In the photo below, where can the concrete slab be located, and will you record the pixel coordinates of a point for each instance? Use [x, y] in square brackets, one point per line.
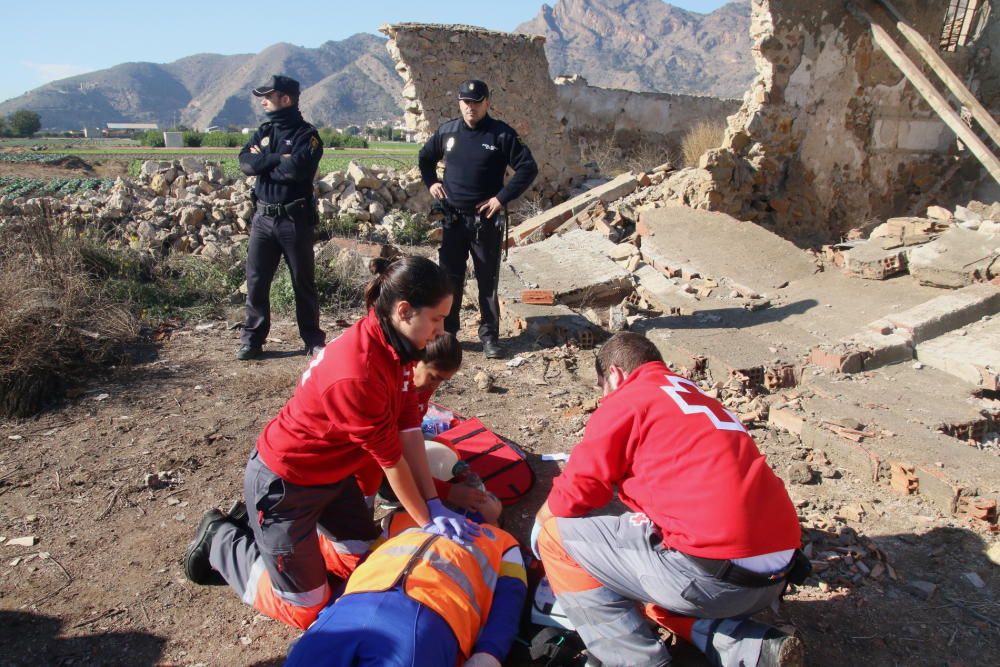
[904, 412]
[947, 312]
[957, 258]
[820, 309]
[843, 306]
[557, 322]
[719, 246]
[971, 354]
[576, 266]
[664, 293]
[545, 223]
[871, 261]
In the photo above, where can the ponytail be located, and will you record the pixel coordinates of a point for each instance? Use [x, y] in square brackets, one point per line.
[416, 280]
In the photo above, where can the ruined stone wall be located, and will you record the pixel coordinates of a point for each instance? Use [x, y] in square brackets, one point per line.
[630, 117]
[830, 133]
[987, 49]
[434, 59]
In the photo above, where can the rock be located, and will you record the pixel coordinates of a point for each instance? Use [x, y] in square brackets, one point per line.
[854, 512]
[327, 207]
[190, 165]
[483, 380]
[146, 231]
[799, 472]
[361, 176]
[938, 213]
[28, 541]
[967, 214]
[923, 589]
[974, 579]
[158, 184]
[993, 553]
[191, 217]
[376, 210]
[211, 250]
[623, 251]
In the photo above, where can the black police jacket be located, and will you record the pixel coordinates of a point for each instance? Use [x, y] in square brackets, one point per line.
[290, 150]
[475, 160]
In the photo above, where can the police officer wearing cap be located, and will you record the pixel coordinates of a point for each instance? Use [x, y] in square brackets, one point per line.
[283, 154]
[476, 149]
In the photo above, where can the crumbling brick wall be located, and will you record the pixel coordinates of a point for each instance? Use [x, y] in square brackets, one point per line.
[633, 118]
[830, 133]
[434, 59]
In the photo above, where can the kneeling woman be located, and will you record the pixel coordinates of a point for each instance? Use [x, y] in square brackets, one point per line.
[356, 403]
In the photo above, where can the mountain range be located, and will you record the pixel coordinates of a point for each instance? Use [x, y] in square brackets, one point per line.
[642, 45]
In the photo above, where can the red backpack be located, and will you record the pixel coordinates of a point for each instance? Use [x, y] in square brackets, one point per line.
[500, 463]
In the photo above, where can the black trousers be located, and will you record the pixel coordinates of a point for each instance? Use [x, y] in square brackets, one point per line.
[465, 234]
[272, 238]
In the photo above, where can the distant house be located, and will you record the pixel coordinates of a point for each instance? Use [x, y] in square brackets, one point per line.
[128, 129]
[409, 135]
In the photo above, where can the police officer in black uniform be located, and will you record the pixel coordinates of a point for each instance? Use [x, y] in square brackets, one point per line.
[477, 149]
[283, 154]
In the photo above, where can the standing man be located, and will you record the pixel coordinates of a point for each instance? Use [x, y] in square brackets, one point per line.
[711, 538]
[476, 149]
[283, 154]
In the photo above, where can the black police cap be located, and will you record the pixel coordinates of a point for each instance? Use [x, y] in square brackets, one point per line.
[279, 83]
[473, 90]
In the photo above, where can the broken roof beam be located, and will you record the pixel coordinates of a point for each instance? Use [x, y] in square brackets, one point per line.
[930, 94]
[940, 67]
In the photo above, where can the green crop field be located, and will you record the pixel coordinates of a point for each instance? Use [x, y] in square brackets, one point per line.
[20, 186]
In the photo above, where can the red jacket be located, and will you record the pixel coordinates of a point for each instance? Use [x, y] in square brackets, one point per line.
[347, 410]
[686, 462]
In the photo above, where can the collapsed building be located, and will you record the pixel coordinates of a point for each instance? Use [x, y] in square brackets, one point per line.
[880, 351]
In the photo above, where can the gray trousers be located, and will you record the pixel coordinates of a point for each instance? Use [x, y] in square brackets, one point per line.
[280, 567]
[623, 553]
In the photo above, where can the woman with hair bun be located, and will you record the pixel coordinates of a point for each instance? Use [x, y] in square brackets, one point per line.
[355, 404]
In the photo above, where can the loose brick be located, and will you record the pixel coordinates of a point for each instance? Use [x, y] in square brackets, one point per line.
[904, 480]
[540, 297]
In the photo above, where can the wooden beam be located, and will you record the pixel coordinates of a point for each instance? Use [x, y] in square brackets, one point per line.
[940, 67]
[930, 94]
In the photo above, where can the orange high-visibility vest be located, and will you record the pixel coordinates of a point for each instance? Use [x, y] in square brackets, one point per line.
[455, 581]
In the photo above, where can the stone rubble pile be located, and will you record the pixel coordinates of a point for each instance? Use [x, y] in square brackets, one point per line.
[945, 248]
[191, 206]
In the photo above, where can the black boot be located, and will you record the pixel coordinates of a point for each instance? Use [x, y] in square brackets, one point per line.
[197, 567]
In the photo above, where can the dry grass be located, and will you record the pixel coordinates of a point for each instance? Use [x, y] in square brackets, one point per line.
[611, 159]
[703, 136]
[56, 322]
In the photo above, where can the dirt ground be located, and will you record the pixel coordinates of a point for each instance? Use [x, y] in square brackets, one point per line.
[103, 585]
[70, 167]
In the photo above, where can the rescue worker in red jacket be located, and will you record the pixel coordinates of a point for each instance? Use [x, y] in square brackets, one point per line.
[710, 538]
[420, 599]
[355, 403]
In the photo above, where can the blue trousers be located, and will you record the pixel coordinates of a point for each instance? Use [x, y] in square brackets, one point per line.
[376, 629]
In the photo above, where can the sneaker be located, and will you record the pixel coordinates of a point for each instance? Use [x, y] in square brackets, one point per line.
[492, 349]
[313, 350]
[248, 352]
[197, 568]
[781, 650]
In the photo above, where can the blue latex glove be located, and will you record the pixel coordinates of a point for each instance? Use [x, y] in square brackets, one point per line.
[450, 524]
[533, 540]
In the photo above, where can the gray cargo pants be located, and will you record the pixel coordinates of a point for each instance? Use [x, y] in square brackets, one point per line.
[300, 534]
[624, 554]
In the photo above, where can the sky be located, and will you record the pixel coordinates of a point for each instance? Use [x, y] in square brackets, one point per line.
[48, 40]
